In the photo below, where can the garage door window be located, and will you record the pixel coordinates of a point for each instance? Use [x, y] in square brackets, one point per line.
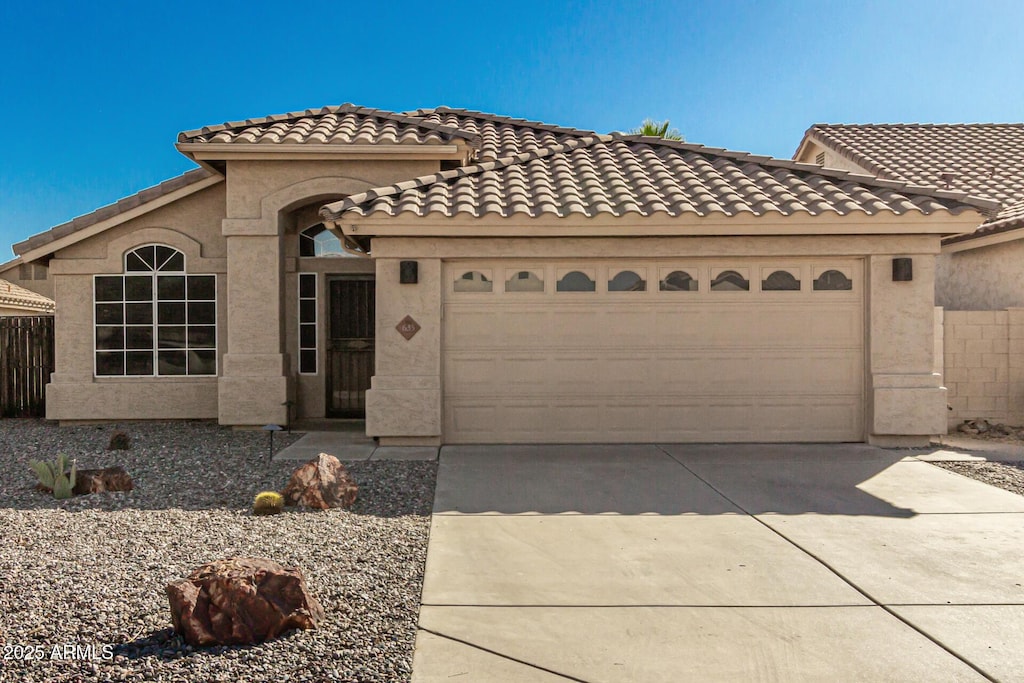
[678, 281]
[832, 280]
[525, 281]
[576, 281]
[474, 281]
[731, 281]
[627, 281]
[780, 281]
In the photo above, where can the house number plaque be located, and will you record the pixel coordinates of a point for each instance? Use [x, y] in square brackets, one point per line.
[408, 328]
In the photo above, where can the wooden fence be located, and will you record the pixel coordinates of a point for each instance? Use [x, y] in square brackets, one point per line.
[26, 361]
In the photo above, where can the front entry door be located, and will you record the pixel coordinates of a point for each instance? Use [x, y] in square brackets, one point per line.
[350, 345]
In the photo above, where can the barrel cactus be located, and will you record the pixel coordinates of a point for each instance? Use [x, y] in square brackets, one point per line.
[268, 503]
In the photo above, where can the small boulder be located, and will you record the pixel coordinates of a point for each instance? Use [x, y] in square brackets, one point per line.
[98, 481]
[240, 601]
[321, 483]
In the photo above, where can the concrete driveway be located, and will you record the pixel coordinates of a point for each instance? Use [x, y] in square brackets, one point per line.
[718, 563]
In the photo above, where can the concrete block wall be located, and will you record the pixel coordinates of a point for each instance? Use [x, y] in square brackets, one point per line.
[983, 365]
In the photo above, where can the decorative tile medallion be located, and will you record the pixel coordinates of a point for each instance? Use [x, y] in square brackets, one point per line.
[408, 328]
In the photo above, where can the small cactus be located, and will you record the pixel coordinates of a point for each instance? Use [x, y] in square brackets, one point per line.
[268, 503]
[55, 477]
[119, 441]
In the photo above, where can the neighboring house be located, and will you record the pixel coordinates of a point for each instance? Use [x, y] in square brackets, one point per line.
[16, 300]
[979, 279]
[34, 277]
[461, 277]
[982, 269]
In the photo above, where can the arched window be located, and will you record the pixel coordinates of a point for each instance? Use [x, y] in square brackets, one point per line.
[730, 281]
[576, 281]
[833, 280]
[679, 281]
[780, 281]
[474, 281]
[524, 281]
[319, 241]
[627, 281]
[155, 320]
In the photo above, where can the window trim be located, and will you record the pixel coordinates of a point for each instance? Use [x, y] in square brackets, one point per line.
[316, 324]
[155, 301]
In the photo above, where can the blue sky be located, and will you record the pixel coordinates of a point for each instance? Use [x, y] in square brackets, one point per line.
[95, 93]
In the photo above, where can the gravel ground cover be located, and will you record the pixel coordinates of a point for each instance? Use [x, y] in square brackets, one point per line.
[1005, 475]
[91, 571]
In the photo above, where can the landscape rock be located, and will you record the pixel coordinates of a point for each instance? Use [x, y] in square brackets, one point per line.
[241, 600]
[321, 483]
[98, 481]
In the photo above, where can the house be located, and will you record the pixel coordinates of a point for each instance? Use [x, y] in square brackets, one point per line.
[457, 277]
[33, 277]
[979, 280]
[980, 269]
[18, 300]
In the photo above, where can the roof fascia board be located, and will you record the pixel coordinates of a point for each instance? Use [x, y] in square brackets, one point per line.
[25, 306]
[226, 151]
[97, 228]
[683, 226]
[984, 241]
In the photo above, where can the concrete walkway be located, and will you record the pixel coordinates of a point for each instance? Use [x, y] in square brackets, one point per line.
[349, 442]
[718, 563]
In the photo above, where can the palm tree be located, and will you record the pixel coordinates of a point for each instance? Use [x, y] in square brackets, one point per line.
[657, 129]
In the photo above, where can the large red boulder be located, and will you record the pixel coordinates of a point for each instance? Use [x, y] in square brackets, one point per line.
[241, 600]
[321, 483]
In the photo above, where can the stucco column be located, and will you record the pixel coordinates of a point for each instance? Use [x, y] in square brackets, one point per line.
[908, 401]
[253, 386]
[403, 405]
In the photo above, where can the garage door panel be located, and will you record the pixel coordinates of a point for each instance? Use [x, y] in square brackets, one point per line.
[472, 374]
[556, 421]
[655, 366]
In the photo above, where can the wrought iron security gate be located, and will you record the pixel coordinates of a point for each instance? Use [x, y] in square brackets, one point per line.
[350, 347]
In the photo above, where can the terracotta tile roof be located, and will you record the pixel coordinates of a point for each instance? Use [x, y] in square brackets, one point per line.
[982, 159]
[122, 206]
[13, 295]
[342, 124]
[621, 175]
[501, 136]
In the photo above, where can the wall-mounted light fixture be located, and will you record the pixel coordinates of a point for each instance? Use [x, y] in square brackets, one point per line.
[902, 270]
[408, 272]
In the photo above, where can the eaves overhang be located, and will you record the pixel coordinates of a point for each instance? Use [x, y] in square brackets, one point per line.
[689, 225]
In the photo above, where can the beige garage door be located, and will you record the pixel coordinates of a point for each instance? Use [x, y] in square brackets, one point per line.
[653, 351]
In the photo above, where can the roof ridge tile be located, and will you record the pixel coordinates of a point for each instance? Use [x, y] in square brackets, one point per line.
[345, 108]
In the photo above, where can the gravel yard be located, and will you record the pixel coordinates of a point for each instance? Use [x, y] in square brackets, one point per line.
[1005, 475]
[91, 570]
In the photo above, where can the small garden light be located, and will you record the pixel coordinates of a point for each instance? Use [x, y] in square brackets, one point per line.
[272, 429]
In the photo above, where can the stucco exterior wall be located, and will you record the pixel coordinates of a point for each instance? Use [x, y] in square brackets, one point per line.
[191, 225]
[253, 184]
[259, 377]
[984, 365]
[984, 279]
